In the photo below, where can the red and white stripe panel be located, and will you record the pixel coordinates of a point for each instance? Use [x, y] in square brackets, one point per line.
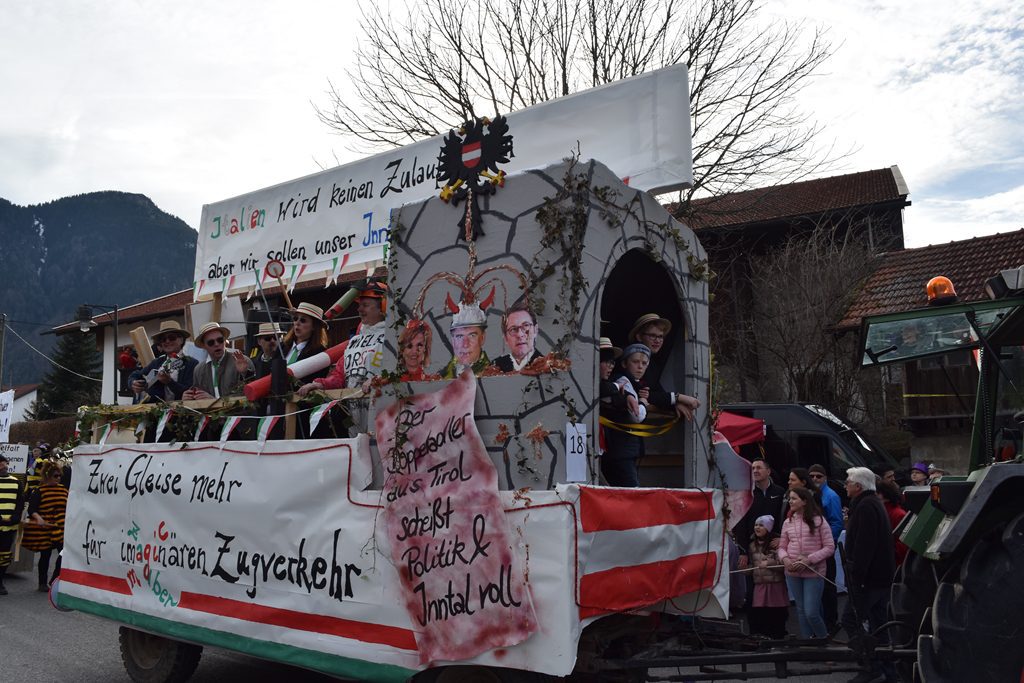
[639, 547]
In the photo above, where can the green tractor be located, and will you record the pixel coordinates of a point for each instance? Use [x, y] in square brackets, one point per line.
[960, 592]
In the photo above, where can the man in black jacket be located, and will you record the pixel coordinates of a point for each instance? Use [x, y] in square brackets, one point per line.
[871, 563]
[767, 501]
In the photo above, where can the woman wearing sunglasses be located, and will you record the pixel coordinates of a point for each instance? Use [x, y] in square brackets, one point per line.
[307, 337]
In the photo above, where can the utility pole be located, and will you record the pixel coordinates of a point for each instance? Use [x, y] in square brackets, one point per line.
[3, 329]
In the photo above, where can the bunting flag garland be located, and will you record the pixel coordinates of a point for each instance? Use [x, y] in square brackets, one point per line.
[203, 421]
[229, 426]
[162, 423]
[339, 265]
[140, 429]
[197, 287]
[104, 433]
[251, 293]
[264, 426]
[297, 272]
[318, 413]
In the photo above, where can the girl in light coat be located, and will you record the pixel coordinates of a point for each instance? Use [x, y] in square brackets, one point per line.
[805, 544]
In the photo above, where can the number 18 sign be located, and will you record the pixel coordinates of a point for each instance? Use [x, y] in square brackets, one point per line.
[575, 452]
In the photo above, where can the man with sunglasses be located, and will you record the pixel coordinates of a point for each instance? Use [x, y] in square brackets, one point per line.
[169, 375]
[219, 375]
[832, 506]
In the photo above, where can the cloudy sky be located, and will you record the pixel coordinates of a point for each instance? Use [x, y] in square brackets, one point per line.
[193, 102]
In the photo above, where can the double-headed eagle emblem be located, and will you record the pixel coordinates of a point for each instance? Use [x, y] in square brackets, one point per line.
[468, 165]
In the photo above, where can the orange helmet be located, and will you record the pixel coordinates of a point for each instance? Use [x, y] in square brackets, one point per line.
[940, 290]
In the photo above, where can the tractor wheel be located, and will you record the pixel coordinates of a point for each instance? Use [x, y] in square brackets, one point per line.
[910, 599]
[153, 659]
[912, 593]
[975, 621]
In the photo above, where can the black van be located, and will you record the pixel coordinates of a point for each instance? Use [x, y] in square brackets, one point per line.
[801, 434]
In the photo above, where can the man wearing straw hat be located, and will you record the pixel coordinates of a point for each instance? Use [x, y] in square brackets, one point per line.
[651, 330]
[169, 376]
[267, 339]
[219, 376]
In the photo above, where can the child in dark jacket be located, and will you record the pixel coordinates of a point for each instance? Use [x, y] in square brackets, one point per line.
[619, 463]
[770, 604]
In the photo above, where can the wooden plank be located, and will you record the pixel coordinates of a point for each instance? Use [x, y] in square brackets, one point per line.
[289, 422]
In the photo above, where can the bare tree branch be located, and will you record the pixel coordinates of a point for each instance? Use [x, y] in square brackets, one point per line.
[419, 76]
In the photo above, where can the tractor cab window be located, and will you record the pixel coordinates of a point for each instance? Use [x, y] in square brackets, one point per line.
[901, 337]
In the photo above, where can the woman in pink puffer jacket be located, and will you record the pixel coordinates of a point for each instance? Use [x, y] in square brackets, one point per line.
[805, 544]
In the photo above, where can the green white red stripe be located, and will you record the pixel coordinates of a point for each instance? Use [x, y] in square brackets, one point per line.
[265, 425]
[162, 423]
[318, 414]
[203, 421]
[229, 426]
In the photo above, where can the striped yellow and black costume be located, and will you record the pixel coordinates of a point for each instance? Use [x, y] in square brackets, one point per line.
[49, 501]
[11, 501]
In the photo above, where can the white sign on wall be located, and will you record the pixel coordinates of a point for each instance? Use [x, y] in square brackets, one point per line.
[17, 457]
[6, 414]
[337, 221]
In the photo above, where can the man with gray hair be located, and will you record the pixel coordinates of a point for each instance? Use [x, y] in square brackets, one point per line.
[469, 331]
[871, 563]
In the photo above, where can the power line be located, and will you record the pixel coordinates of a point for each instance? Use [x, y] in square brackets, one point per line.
[52, 361]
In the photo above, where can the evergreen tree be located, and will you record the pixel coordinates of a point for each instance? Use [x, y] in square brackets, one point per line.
[62, 392]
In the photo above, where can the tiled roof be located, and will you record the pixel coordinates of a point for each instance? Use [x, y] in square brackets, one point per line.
[898, 283]
[806, 198]
[20, 389]
[174, 304]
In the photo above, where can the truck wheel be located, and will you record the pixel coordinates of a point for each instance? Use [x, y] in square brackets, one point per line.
[153, 659]
[972, 619]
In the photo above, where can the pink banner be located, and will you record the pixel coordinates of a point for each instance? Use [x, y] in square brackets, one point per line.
[463, 583]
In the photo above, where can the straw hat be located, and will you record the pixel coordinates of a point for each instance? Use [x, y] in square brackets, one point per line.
[210, 327]
[269, 330]
[310, 310]
[605, 344]
[645, 320]
[169, 327]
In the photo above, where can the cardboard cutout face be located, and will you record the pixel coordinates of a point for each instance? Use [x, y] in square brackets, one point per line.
[414, 353]
[468, 344]
[520, 334]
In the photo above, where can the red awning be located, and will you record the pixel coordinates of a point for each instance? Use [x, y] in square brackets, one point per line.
[740, 430]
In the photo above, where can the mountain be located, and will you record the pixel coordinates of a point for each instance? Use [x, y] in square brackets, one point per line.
[97, 248]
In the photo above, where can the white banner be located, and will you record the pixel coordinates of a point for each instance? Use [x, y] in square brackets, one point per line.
[337, 220]
[6, 414]
[284, 555]
[17, 457]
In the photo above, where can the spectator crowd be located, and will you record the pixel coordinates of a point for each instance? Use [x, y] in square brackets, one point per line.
[787, 544]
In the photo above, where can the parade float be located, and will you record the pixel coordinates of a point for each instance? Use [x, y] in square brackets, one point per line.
[462, 531]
